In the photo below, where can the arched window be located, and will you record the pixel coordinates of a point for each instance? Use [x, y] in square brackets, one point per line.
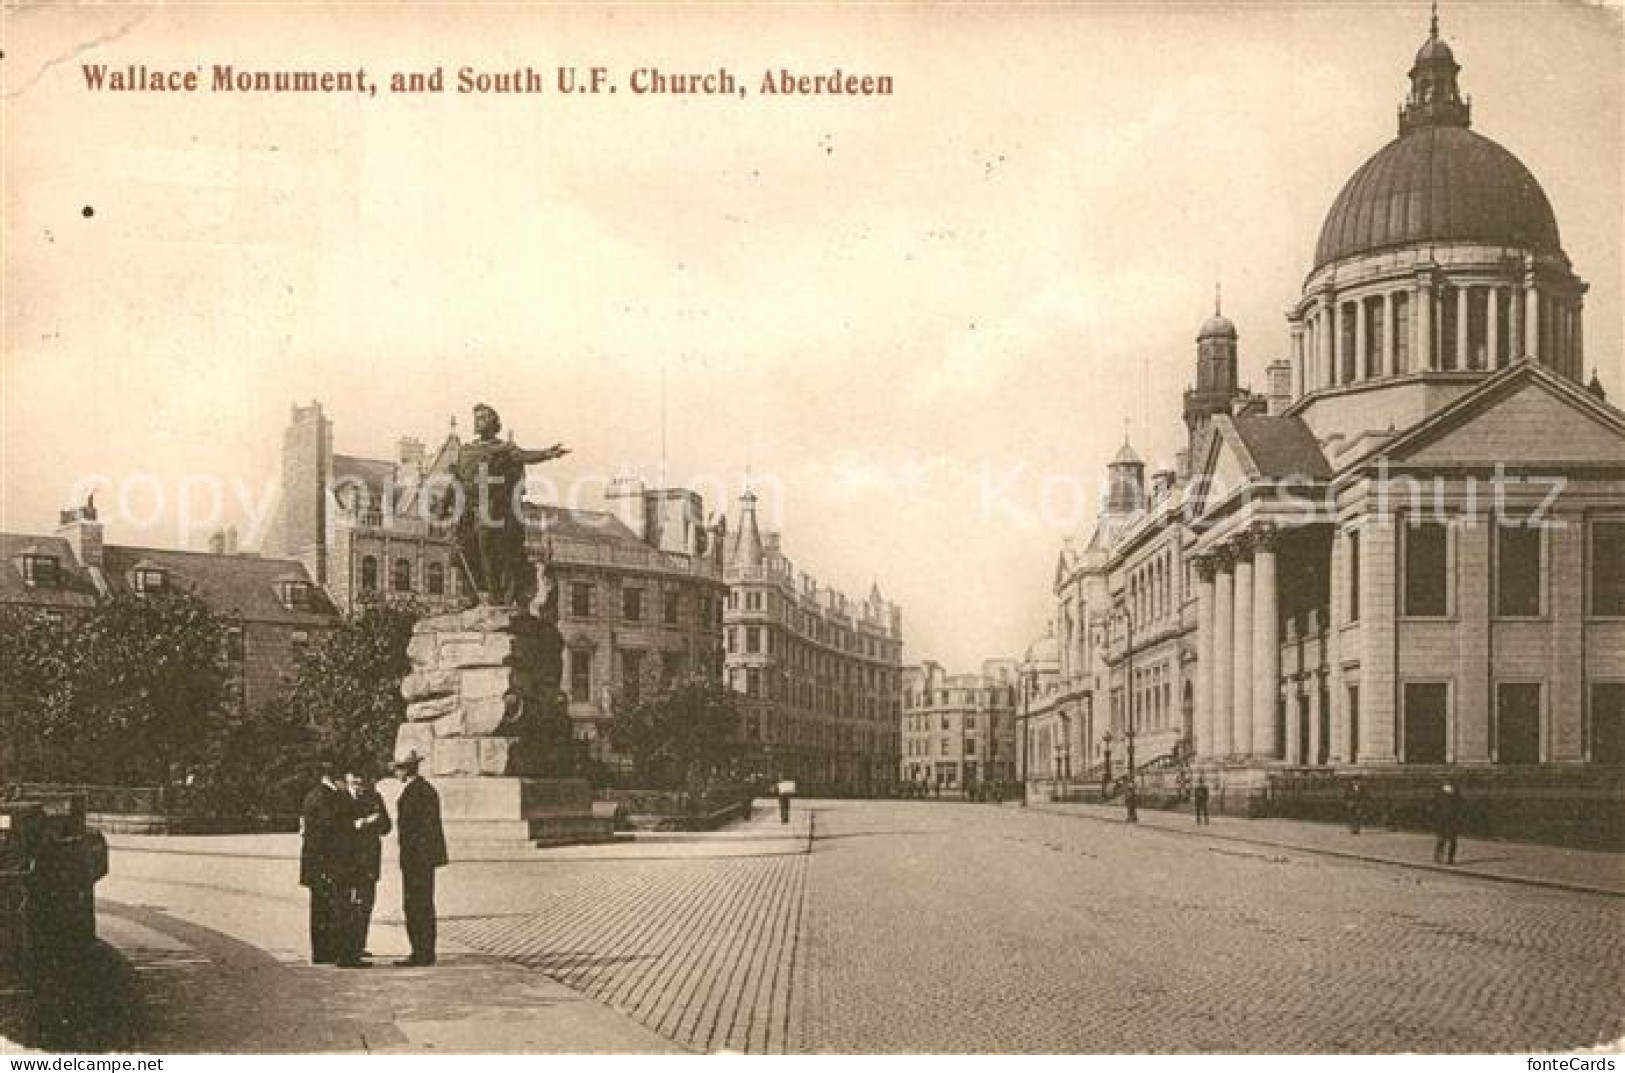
[400, 578]
[437, 579]
[369, 574]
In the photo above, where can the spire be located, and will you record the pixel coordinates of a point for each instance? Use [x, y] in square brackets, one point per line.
[1435, 99]
[1218, 306]
[747, 550]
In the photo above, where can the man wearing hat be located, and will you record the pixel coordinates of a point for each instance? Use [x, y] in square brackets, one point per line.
[321, 818]
[423, 849]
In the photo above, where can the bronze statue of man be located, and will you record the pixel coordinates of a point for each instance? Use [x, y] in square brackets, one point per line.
[489, 477]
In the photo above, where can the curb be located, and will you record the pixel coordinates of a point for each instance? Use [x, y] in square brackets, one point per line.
[1369, 858]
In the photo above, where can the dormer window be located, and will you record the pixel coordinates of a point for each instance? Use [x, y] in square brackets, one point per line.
[295, 594]
[40, 571]
[148, 579]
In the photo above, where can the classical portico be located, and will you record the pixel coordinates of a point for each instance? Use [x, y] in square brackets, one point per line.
[1238, 640]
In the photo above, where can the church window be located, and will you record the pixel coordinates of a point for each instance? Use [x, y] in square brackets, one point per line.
[400, 578]
[1608, 568]
[369, 574]
[1426, 570]
[437, 579]
[1517, 571]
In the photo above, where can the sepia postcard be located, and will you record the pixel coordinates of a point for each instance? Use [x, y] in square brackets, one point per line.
[812, 529]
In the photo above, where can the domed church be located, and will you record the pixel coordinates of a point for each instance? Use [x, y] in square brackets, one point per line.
[1405, 559]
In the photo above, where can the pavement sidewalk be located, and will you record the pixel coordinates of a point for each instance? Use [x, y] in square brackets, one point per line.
[206, 936]
[760, 835]
[212, 970]
[1557, 867]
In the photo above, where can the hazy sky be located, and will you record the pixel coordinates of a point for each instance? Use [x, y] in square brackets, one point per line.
[920, 320]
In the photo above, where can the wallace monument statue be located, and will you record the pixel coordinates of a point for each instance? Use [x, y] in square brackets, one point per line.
[484, 501]
[484, 710]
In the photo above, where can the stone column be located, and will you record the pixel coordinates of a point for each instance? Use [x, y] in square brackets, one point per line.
[1336, 327]
[1313, 687]
[1242, 675]
[1360, 340]
[1426, 357]
[1531, 321]
[1386, 362]
[1266, 646]
[1328, 343]
[1514, 324]
[1224, 634]
[1297, 387]
[1204, 657]
[1578, 345]
[1492, 327]
[1464, 359]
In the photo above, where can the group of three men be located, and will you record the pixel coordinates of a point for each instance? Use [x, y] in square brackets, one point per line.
[343, 822]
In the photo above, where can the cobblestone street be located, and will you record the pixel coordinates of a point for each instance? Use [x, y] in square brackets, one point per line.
[910, 927]
[963, 928]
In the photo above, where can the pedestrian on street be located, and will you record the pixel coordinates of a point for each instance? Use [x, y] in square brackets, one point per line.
[1199, 799]
[1446, 824]
[1354, 804]
[423, 849]
[1131, 801]
[786, 790]
[320, 815]
[365, 831]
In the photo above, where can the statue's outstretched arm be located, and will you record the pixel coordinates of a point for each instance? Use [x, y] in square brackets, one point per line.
[546, 454]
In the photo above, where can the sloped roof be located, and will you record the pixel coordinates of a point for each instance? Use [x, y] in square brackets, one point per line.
[75, 589]
[373, 474]
[234, 586]
[1282, 447]
[592, 525]
[1491, 392]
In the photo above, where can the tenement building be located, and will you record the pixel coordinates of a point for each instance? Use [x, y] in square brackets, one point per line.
[639, 585]
[818, 674]
[958, 730]
[270, 608]
[1404, 559]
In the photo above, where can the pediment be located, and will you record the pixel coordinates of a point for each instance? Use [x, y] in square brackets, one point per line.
[1525, 415]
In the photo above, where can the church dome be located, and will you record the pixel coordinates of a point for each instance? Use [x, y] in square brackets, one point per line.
[1438, 184]
[1045, 649]
[1217, 325]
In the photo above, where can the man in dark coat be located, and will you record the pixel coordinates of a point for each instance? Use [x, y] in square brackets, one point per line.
[1446, 824]
[320, 816]
[1199, 798]
[366, 824]
[423, 849]
[1354, 804]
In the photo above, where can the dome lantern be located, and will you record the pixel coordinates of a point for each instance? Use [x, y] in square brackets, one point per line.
[1435, 99]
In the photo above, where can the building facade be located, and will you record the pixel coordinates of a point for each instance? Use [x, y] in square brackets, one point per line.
[271, 608]
[640, 585]
[818, 674]
[1405, 558]
[959, 730]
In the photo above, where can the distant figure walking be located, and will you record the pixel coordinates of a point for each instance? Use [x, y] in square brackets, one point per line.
[320, 816]
[1354, 804]
[1199, 799]
[786, 790]
[423, 849]
[1446, 824]
[1131, 801]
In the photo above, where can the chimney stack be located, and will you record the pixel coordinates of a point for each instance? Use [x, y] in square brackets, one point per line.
[1279, 376]
[83, 532]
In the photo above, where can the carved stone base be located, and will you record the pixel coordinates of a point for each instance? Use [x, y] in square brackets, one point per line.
[482, 698]
[485, 812]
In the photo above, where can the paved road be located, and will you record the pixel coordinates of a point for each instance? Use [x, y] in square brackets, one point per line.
[911, 927]
[965, 928]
